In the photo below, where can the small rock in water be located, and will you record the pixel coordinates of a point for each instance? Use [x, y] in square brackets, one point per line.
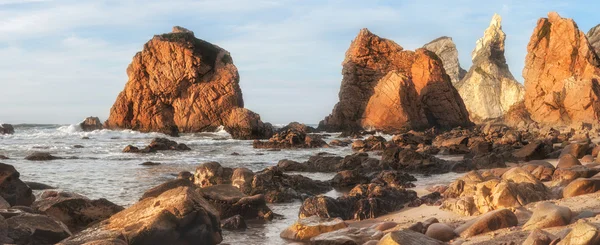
[185, 175]
[3, 157]
[38, 186]
[78, 146]
[235, 154]
[150, 163]
[85, 138]
[236, 222]
[41, 156]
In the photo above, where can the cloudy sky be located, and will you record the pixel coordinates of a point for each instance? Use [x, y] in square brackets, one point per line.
[63, 60]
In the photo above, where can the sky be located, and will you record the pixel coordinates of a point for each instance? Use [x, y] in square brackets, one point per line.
[64, 60]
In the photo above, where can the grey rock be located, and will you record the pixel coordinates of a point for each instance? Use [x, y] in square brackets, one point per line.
[593, 37]
[445, 48]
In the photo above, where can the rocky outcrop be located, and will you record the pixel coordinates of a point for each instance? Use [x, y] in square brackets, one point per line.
[388, 88]
[593, 37]
[445, 48]
[562, 74]
[179, 83]
[158, 144]
[489, 89]
[177, 216]
[91, 124]
[6, 129]
[12, 189]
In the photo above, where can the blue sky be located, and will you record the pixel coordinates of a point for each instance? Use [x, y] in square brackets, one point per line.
[63, 60]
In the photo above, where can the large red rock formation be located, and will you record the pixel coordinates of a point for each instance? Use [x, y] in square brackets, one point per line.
[179, 83]
[561, 74]
[385, 87]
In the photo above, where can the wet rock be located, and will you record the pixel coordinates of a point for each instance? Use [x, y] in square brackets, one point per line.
[341, 143]
[185, 175]
[3, 203]
[539, 237]
[91, 124]
[291, 138]
[349, 235]
[289, 165]
[582, 233]
[41, 156]
[407, 236]
[36, 229]
[411, 161]
[212, 173]
[581, 186]
[3, 157]
[373, 143]
[38, 186]
[230, 201]
[394, 178]
[74, 210]
[280, 187]
[159, 189]
[242, 179]
[12, 189]
[349, 178]
[306, 228]
[177, 216]
[78, 146]
[537, 150]
[546, 215]
[150, 163]
[131, 149]
[440, 232]
[6, 128]
[567, 161]
[491, 221]
[236, 222]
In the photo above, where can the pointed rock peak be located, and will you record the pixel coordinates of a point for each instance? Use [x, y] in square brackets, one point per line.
[446, 50]
[179, 29]
[553, 16]
[492, 42]
[365, 32]
[367, 45]
[593, 37]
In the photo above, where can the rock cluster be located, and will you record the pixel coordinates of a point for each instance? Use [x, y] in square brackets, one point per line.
[179, 83]
[489, 89]
[385, 87]
[562, 74]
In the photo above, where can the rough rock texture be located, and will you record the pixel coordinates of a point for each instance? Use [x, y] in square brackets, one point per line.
[489, 89]
[6, 129]
[91, 124]
[307, 228]
[179, 83]
[230, 201]
[561, 74]
[376, 87]
[12, 189]
[35, 229]
[177, 216]
[593, 37]
[75, 211]
[445, 48]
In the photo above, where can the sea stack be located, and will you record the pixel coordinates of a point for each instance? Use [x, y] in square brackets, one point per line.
[445, 48]
[489, 89]
[593, 37]
[385, 87]
[179, 83]
[562, 74]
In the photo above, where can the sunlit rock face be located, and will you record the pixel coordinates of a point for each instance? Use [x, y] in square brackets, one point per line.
[489, 89]
[445, 48]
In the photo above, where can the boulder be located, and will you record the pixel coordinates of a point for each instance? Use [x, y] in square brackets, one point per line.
[349, 235]
[291, 138]
[279, 187]
[200, 91]
[306, 228]
[6, 128]
[41, 156]
[388, 88]
[539, 237]
[74, 210]
[537, 150]
[91, 124]
[547, 214]
[489, 88]
[212, 173]
[581, 186]
[12, 189]
[564, 176]
[230, 201]
[491, 221]
[236, 222]
[582, 233]
[373, 143]
[567, 161]
[542, 170]
[36, 229]
[446, 50]
[561, 74]
[440, 232]
[177, 216]
[578, 150]
[408, 237]
[349, 178]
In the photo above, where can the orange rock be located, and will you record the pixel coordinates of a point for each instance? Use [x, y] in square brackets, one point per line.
[179, 83]
[561, 74]
[385, 87]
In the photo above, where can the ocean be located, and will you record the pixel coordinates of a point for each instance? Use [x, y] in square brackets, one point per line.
[101, 170]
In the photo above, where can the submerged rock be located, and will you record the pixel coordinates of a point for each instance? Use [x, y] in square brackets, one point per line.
[489, 89]
[562, 74]
[179, 84]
